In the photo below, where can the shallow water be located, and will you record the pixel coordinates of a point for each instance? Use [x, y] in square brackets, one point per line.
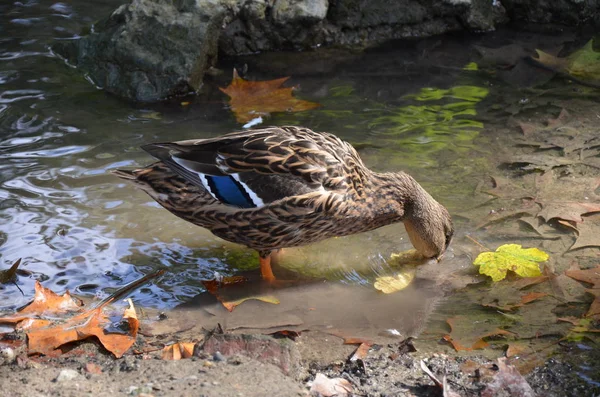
[408, 106]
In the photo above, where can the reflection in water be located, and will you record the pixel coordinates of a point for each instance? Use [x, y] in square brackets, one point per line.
[78, 227]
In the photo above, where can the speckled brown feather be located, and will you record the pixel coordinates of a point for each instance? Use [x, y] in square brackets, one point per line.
[346, 197]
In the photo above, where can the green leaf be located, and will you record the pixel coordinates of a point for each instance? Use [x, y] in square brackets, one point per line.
[524, 262]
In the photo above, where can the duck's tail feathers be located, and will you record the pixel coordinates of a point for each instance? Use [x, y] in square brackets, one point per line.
[125, 174]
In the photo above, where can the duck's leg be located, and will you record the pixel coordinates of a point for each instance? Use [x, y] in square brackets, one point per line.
[265, 266]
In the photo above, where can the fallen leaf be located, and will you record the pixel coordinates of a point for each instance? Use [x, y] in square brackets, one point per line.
[84, 325]
[46, 303]
[462, 328]
[251, 99]
[590, 276]
[390, 284]
[326, 387]
[525, 299]
[583, 63]
[361, 351]
[588, 233]
[10, 275]
[508, 381]
[179, 350]
[569, 211]
[514, 349]
[511, 257]
[285, 333]
[263, 298]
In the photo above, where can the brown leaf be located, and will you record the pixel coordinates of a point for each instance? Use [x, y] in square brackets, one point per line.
[590, 276]
[91, 323]
[92, 368]
[45, 303]
[179, 350]
[569, 211]
[361, 351]
[251, 99]
[10, 275]
[508, 381]
[589, 232]
[475, 340]
[326, 387]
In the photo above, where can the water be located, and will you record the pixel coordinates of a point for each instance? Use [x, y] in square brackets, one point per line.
[408, 106]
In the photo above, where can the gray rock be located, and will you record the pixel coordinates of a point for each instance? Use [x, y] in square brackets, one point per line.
[67, 375]
[148, 50]
[285, 11]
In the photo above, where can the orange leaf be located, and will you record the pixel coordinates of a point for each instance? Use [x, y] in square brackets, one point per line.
[476, 339]
[251, 99]
[179, 350]
[530, 297]
[82, 326]
[361, 351]
[263, 298]
[45, 303]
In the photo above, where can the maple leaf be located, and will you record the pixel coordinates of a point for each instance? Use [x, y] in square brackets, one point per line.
[252, 99]
[90, 323]
[475, 337]
[583, 63]
[511, 257]
[590, 276]
[45, 303]
[390, 284]
[587, 233]
[569, 211]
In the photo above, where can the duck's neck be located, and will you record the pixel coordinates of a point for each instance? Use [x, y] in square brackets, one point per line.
[400, 193]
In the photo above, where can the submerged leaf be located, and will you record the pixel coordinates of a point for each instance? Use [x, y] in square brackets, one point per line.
[251, 99]
[264, 298]
[390, 284]
[583, 63]
[524, 262]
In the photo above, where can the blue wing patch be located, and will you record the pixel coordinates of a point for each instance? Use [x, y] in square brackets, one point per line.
[229, 191]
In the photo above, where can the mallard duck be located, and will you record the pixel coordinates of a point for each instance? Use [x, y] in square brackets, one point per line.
[283, 187]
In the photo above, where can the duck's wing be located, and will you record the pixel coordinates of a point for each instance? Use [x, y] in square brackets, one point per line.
[253, 168]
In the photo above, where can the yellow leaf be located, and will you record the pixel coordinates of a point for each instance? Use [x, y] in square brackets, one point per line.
[390, 284]
[524, 262]
[265, 298]
[583, 63]
[251, 99]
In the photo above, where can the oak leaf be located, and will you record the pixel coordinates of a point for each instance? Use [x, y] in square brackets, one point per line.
[524, 262]
[252, 99]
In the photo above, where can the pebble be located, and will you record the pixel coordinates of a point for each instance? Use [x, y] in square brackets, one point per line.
[66, 375]
[8, 354]
[218, 356]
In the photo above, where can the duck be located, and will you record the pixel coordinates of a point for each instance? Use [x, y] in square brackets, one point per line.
[279, 187]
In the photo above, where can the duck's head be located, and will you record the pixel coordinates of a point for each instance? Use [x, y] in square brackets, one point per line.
[428, 223]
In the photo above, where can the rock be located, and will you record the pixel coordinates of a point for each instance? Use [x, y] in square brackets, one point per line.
[282, 353]
[7, 355]
[67, 375]
[148, 50]
[286, 11]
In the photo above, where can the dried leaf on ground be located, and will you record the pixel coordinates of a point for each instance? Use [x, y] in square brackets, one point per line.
[91, 323]
[361, 351]
[263, 298]
[326, 387]
[524, 262]
[588, 233]
[45, 303]
[508, 381]
[525, 299]
[583, 63]
[463, 336]
[569, 211]
[213, 286]
[251, 99]
[590, 276]
[178, 350]
[391, 284]
[10, 275]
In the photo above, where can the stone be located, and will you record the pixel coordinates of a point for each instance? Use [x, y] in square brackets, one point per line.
[285, 11]
[149, 50]
[282, 353]
[67, 375]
